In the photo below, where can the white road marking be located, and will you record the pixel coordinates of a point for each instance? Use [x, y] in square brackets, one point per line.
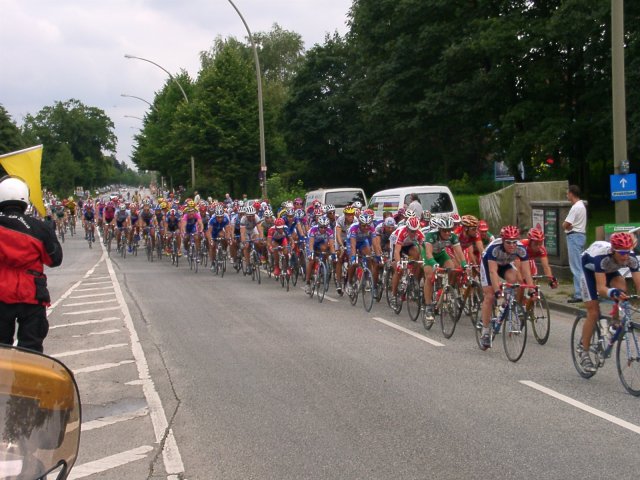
[88, 322]
[107, 463]
[97, 302]
[582, 406]
[71, 353]
[94, 288]
[106, 421]
[91, 311]
[164, 434]
[408, 332]
[94, 283]
[102, 332]
[91, 295]
[101, 278]
[102, 366]
[72, 288]
[325, 297]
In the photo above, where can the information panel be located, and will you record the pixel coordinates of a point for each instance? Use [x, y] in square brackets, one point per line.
[551, 231]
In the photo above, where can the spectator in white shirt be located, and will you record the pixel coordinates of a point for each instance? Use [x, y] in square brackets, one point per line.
[575, 226]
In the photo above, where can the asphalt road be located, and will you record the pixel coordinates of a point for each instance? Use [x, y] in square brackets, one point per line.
[258, 383]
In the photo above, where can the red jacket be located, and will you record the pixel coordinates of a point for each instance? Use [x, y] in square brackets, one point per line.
[26, 245]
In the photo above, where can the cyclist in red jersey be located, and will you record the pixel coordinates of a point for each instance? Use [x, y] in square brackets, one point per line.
[469, 238]
[534, 244]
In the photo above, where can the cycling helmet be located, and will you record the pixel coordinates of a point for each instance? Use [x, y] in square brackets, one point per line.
[242, 210]
[455, 217]
[173, 212]
[621, 241]
[389, 222]
[190, 204]
[364, 219]
[323, 222]
[289, 204]
[219, 211]
[469, 221]
[426, 215]
[240, 203]
[250, 210]
[268, 213]
[356, 204]
[279, 223]
[317, 203]
[368, 211]
[318, 211]
[264, 206]
[289, 212]
[536, 234]
[299, 213]
[413, 224]
[409, 214]
[146, 201]
[510, 232]
[163, 205]
[483, 226]
[330, 208]
[123, 207]
[111, 205]
[441, 223]
[349, 211]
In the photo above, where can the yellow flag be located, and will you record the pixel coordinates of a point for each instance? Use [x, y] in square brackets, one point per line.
[26, 165]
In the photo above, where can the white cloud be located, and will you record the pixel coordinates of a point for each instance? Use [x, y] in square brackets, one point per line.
[56, 50]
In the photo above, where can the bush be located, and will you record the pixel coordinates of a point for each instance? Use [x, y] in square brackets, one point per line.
[278, 190]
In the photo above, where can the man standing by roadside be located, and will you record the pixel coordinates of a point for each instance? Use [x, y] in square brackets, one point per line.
[575, 226]
[27, 245]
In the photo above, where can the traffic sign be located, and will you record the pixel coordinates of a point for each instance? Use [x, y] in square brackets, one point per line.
[623, 187]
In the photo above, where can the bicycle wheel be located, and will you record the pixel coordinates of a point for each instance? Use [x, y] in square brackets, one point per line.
[414, 299]
[475, 304]
[61, 234]
[576, 345]
[322, 280]
[195, 258]
[628, 363]
[354, 290]
[109, 242]
[387, 277]
[450, 312]
[367, 289]
[514, 332]
[148, 250]
[540, 319]
[282, 264]
[255, 260]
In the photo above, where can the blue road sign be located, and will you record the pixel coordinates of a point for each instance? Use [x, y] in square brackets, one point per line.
[623, 187]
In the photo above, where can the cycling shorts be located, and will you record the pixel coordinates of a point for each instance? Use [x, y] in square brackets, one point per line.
[485, 278]
[588, 283]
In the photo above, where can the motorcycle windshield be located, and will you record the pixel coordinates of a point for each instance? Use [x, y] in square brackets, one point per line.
[39, 415]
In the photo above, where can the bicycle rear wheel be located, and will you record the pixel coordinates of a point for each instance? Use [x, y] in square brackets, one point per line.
[414, 299]
[449, 312]
[628, 363]
[540, 319]
[514, 332]
[576, 345]
[367, 289]
[255, 260]
[321, 281]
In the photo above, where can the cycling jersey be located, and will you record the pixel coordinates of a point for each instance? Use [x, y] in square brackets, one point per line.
[439, 245]
[191, 221]
[541, 253]
[598, 258]
[59, 212]
[467, 240]
[146, 216]
[121, 217]
[320, 237]
[109, 213]
[173, 223]
[218, 226]
[383, 235]
[401, 235]
[278, 235]
[89, 214]
[363, 237]
[496, 252]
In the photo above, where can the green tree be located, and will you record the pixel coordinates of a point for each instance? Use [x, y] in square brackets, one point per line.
[10, 136]
[54, 178]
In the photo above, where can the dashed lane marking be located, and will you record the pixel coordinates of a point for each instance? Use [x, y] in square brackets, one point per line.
[107, 463]
[102, 366]
[71, 353]
[582, 406]
[102, 332]
[106, 421]
[81, 304]
[87, 322]
[85, 284]
[408, 332]
[91, 311]
[92, 295]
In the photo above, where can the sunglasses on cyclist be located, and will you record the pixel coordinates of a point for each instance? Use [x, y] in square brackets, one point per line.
[510, 242]
[623, 253]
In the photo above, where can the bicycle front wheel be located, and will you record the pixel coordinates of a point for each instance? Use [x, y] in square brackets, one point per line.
[540, 319]
[321, 281]
[414, 299]
[576, 346]
[628, 363]
[450, 312]
[367, 289]
[514, 332]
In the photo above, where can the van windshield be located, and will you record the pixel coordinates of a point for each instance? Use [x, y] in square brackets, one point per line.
[342, 199]
[438, 202]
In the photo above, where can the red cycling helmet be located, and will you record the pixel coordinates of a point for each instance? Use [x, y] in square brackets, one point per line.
[536, 234]
[279, 223]
[483, 226]
[413, 223]
[510, 232]
[621, 241]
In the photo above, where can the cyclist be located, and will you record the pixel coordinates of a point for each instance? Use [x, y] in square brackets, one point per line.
[361, 241]
[60, 215]
[108, 216]
[191, 223]
[172, 227]
[321, 239]
[505, 258]
[249, 231]
[600, 276]
[384, 230]
[88, 218]
[536, 250]
[405, 240]
[218, 231]
[434, 252]
[71, 205]
[123, 222]
[147, 221]
[277, 237]
[486, 236]
[343, 224]
[470, 240]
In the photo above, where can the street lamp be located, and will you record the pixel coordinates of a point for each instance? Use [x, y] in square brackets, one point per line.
[186, 99]
[263, 160]
[139, 98]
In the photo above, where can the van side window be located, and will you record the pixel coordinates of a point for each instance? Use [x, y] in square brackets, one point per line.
[434, 202]
[342, 199]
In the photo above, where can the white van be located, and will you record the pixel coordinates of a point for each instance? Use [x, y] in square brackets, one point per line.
[435, 198]
[338, 197]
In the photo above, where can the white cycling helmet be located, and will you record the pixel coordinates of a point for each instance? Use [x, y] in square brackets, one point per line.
[14, 191]
[250, 210]
[441, 223]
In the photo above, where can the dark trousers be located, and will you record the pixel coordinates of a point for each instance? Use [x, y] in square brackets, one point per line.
[32, 324]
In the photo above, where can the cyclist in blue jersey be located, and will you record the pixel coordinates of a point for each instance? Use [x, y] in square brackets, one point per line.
[321, 239]
[219, 230]
[360, 240]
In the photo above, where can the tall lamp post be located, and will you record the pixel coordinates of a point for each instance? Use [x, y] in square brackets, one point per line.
[263, 160]
[139, 98]
[186, 99]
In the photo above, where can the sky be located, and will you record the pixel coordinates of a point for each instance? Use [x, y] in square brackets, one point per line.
[54, 50]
